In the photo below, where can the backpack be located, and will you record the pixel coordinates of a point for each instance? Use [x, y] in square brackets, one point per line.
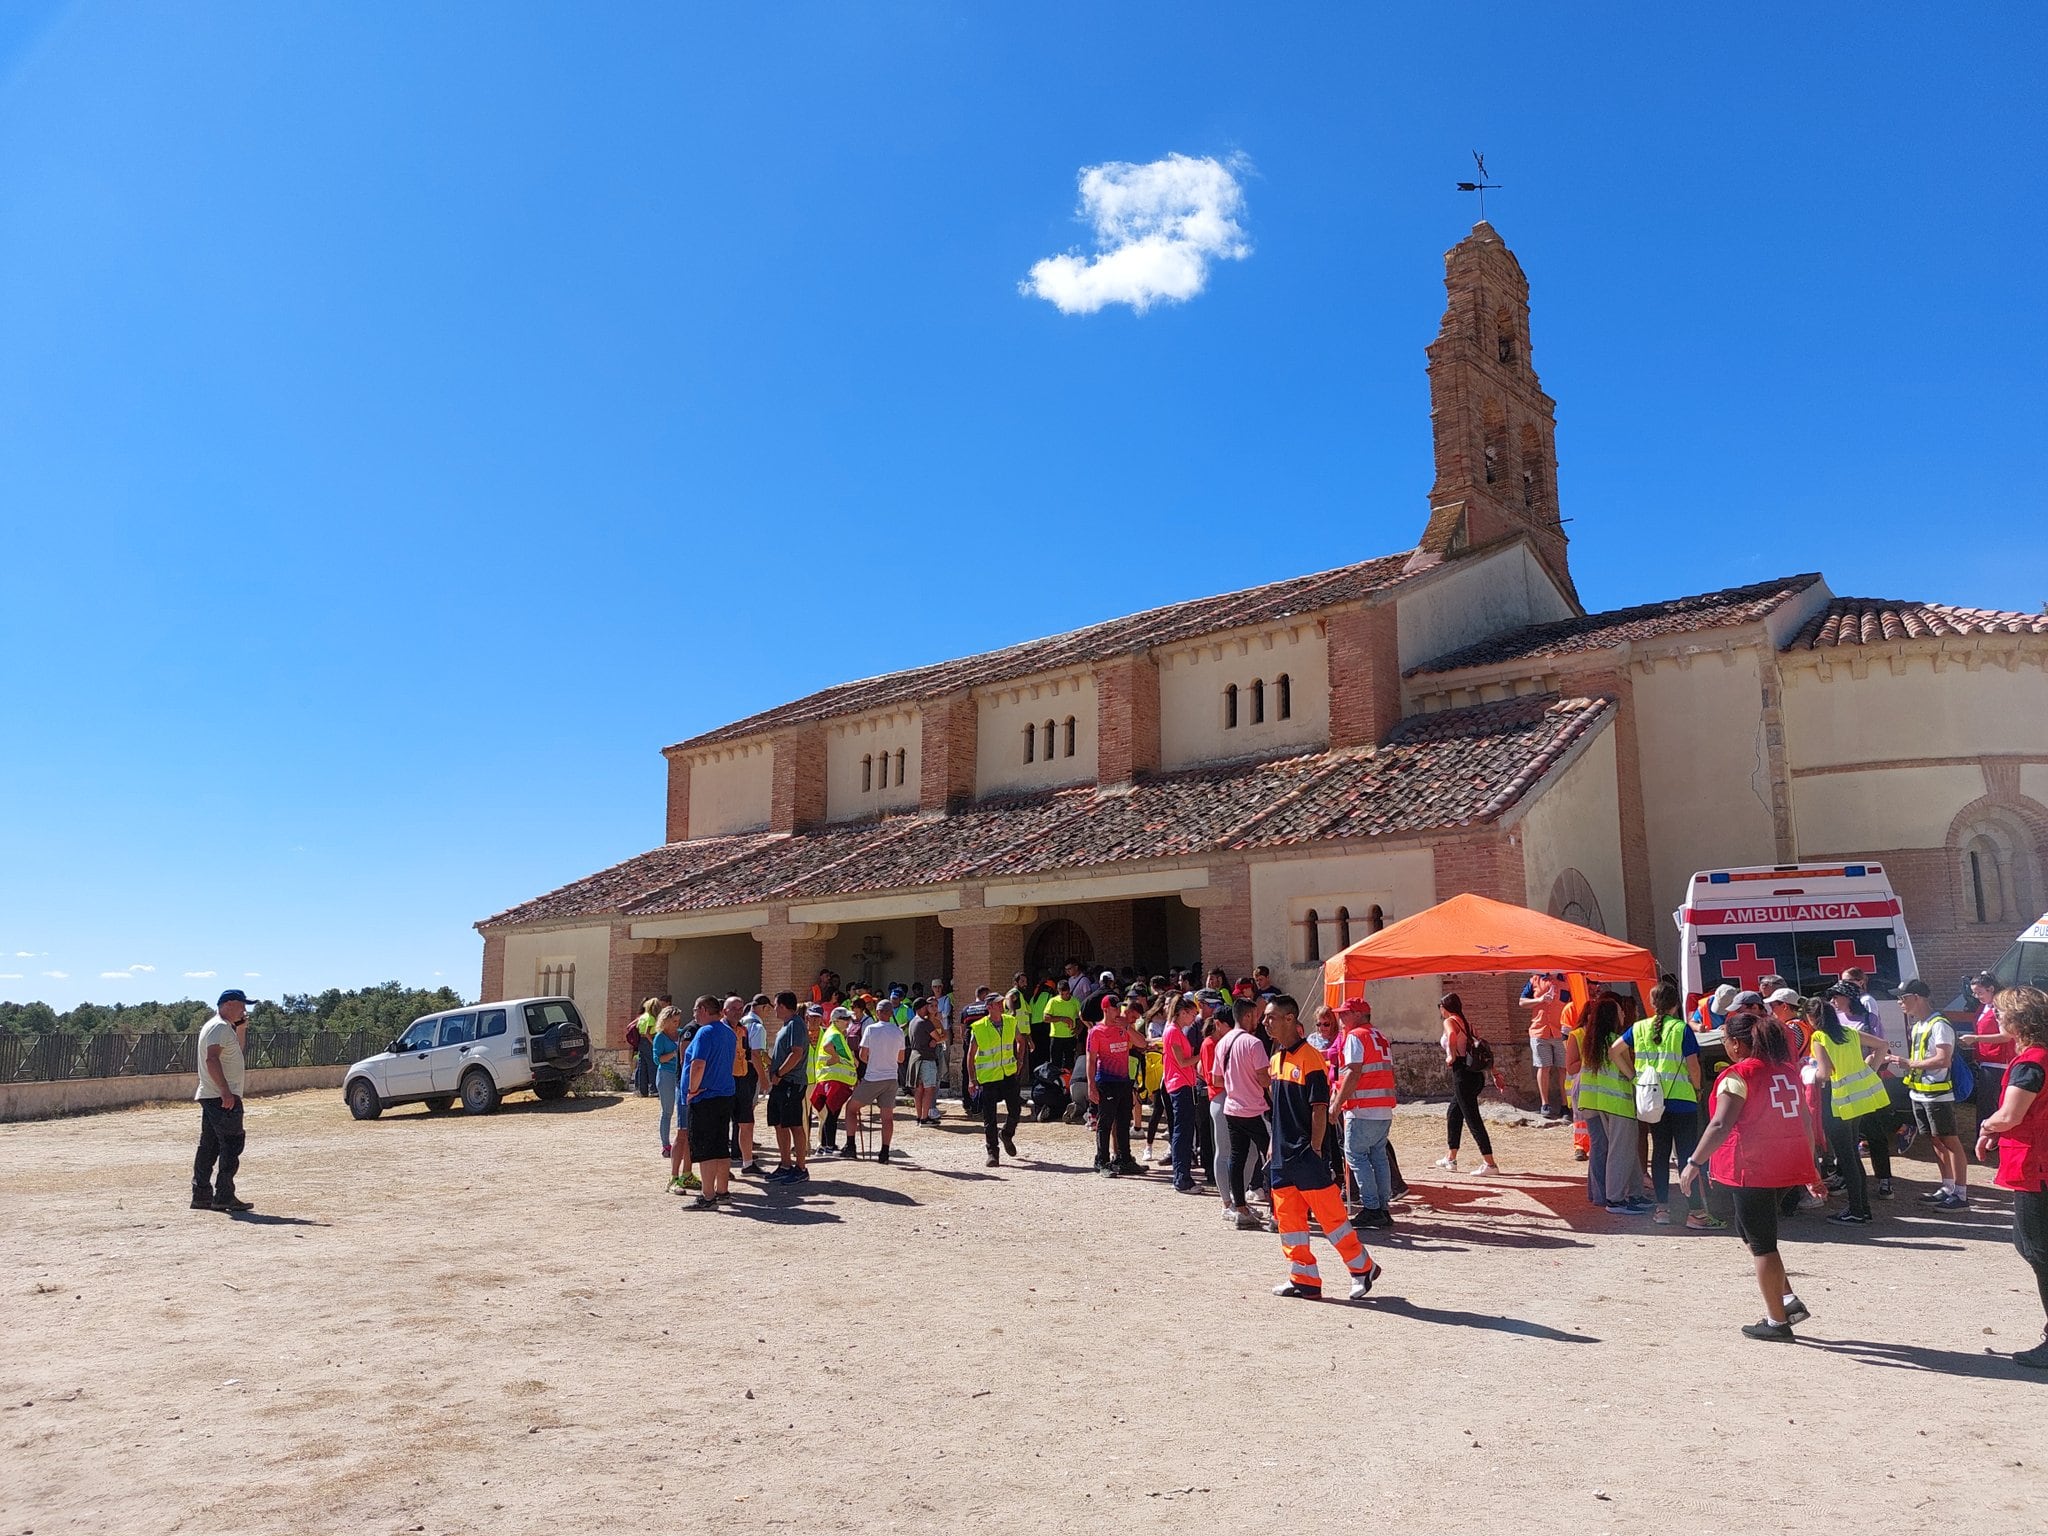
[1962, 1081]
[1649, 1085]
[1478, 1054]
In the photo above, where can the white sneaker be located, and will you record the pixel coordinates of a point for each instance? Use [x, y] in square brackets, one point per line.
[1446, 1162]
[1486, 1171]
[1361, 1285]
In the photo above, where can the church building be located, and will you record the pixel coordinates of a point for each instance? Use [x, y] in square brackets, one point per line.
[1268, 775]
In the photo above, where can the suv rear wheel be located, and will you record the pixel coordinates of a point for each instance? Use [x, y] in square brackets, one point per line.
[547, 1093]
[363, 1102]
[479, 1093]
[438, 1105]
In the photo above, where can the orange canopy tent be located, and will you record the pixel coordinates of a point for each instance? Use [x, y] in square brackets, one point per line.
[1474, 934]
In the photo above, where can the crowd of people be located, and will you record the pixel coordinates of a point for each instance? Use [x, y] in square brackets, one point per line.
[1285, 1119]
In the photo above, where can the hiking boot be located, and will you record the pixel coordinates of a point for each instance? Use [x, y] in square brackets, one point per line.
[1764, 1328]
[1010, 1143]
[1795, 1311]
[1361, 1285]
[202, 1202]
[1295, 1292]
[993, 1161]
[1130, 1165]
[233, 1206]
[882, 1156]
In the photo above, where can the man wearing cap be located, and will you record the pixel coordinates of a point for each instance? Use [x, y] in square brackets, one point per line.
[220, 1051]
[1365, 1097]
[1930, 1083]
[1108, 1056]
[1298, 1084]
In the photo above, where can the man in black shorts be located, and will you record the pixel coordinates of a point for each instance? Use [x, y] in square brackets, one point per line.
[750, 1042]
[788, 1061]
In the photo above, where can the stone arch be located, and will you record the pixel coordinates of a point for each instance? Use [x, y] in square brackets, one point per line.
[1572, 898]
[1997, 846]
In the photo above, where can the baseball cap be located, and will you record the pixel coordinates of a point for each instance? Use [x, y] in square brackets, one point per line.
[1355, 1005]
[237, 995]
[1724, 997]
[1107, 978]
[815, 1010]
[842, 1013]
[1786, 996]
[1746, 1000]
[1915, 988]
[1210, 996]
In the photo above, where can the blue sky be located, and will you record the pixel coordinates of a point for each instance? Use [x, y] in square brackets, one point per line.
[416, 416]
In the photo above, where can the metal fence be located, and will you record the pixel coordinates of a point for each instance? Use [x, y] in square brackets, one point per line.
[59, 1058]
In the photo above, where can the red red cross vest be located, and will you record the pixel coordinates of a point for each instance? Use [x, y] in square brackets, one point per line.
[1767, 1148]
[1375, 1088]
[2023, 1150]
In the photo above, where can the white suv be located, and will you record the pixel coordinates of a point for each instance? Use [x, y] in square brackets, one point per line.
[477, 1054]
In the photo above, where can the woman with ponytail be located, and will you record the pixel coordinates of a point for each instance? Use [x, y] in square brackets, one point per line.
[1759, 1144]
[1846, 1060]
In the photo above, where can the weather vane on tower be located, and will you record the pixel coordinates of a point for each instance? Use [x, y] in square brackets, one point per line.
[1482, 186]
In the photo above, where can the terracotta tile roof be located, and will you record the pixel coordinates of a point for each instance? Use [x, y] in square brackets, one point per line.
[1872, 620]
[1437, 771]
[1646, 621]
[610, 890]
[1081, 647]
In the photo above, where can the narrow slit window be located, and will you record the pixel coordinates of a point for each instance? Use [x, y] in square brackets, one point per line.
[1283, 697]
[1230, 707]
[1030, 731]
[867, 773]
[1070, 736]
[1343, 927]
[1314, 925]
[1259, 703]
[902, 758]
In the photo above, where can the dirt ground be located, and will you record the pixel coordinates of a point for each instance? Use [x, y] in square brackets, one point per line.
[503, 1325]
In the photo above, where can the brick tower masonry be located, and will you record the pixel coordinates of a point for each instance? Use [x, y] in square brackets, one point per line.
[1495, 429]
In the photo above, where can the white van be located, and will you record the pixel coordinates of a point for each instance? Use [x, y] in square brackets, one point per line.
[2024, 965]
[1805, 922]
[477, 1054]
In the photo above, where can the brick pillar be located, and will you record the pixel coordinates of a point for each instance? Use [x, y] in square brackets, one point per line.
[988, 943]
[792, 954]
[1637, 896]
[635, 972]
[1225, 905]
[678, 796]
[1485, 863]
[928, 949]
[493, 984]
[797, 795]
[1126, 719]
[948, 741]
[1365, 675]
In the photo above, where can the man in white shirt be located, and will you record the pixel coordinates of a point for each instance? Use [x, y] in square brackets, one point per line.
[880, 1051]
[220, 1053]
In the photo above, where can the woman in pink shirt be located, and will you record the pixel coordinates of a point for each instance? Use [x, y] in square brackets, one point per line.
[1242, 1061]
[1178, 1072]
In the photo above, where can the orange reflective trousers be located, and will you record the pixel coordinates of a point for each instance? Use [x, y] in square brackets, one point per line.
[1291, 1210]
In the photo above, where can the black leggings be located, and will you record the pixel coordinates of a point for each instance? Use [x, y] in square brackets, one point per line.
[1246, 1131]
[1464, 1110]
[1112, 1121]
[1842, 1136]
[2030, 1236]
[1161, 1109]
[1678, 1132]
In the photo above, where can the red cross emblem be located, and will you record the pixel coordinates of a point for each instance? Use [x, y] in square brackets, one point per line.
[1844, 957]
[1748, 969]
[1785, 1096]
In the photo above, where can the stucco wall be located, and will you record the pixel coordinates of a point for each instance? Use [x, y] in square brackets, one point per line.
[730, 788]
[1002, 714]
[1192, 680]
[589, 949]
[1474, 599]
[1847, 813]
[83, 1095]
[870, 738]
[1706, 777]
[898, 937]
[722, 964]
[1921, 713]
[1401, 882]
[1575, 823]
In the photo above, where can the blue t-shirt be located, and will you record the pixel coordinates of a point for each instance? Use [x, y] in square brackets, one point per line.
[668, 1052]
[792, 1051]
[714, 1046]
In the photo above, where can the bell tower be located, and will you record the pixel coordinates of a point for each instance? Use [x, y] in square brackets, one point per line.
[1495, 429]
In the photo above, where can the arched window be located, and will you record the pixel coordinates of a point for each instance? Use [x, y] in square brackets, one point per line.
[1343, 927]
[2000, 884]
[1313, 949]
[1050, 738]
[1376, 919]
[1504, 334]
[901, 759]
[1070, 735]
[1230, 707]
[1030, 731]
[867, 773]
[1533, 487]
[1258, 703]
[1283, 700]
[1494, 421]
[882, 771]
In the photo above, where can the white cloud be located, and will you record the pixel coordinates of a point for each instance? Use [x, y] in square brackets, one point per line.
[200, 975]
[11, 976]
[252, 975]
[58, 975]
[1157, 227]
[142, 970]
[115, 976]
[25, 954]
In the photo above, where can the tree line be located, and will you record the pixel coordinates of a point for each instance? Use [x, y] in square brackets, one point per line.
[384, 1010]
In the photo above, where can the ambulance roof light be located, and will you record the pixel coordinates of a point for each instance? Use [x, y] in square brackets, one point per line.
[1853, 869]
[1717, 879]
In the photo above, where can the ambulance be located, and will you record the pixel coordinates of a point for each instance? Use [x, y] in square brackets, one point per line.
[1805, 922]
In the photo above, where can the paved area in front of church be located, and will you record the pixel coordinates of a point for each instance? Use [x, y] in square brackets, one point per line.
[504, 1325]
